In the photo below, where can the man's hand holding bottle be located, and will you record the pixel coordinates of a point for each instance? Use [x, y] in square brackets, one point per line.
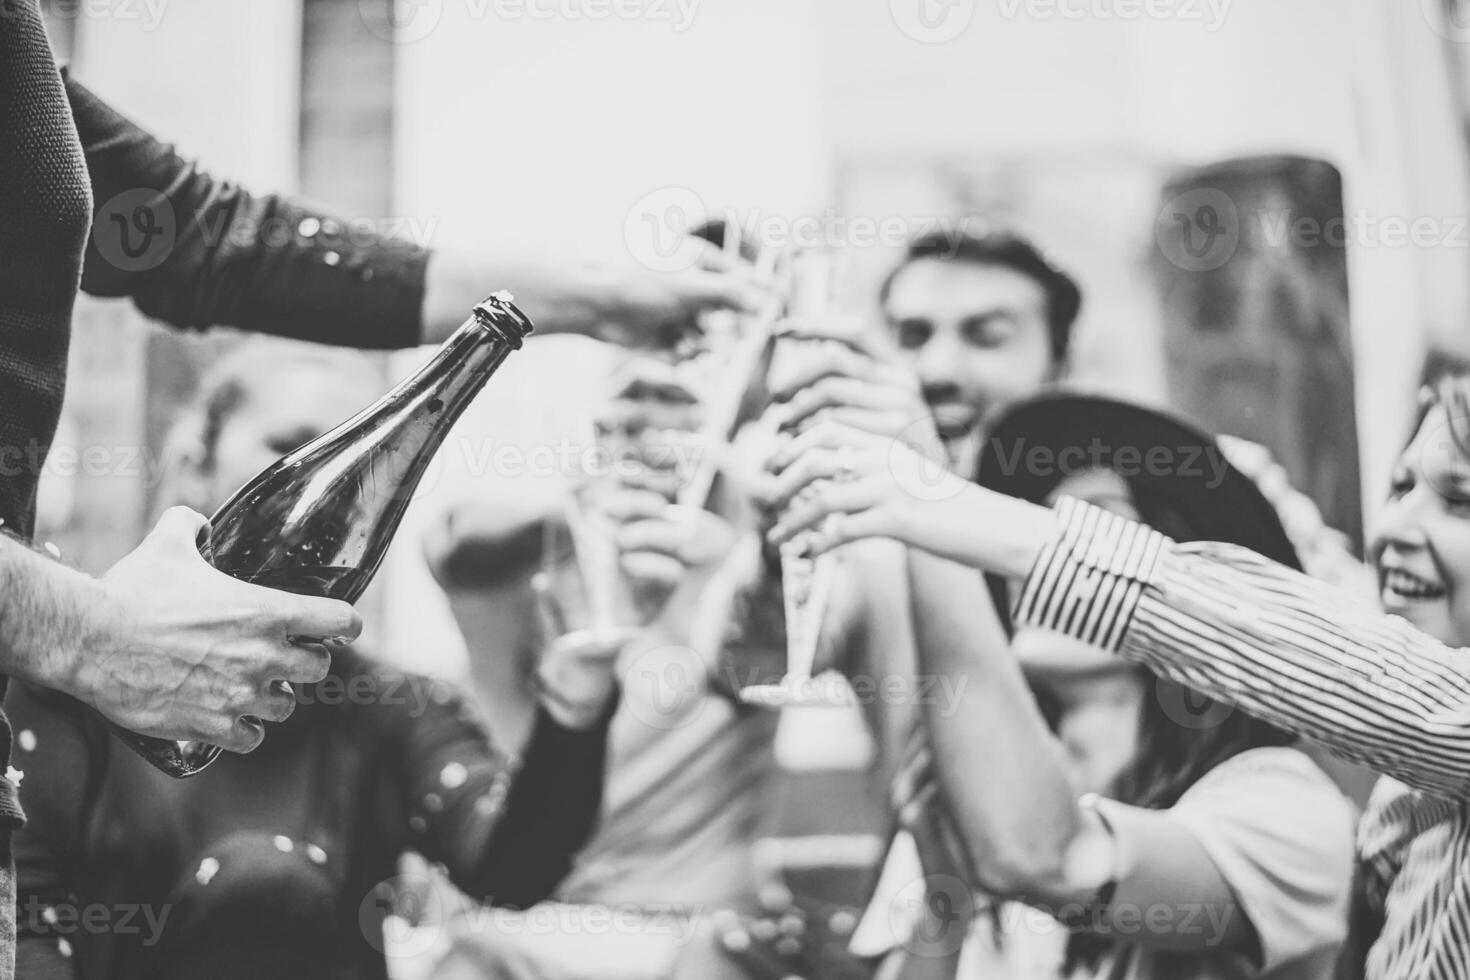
[168, 646]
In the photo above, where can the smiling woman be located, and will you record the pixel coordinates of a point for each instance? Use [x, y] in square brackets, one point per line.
[1421, 545]
[1391, 692]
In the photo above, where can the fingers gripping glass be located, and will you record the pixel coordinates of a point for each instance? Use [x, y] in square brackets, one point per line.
[806, 582]
[583, 595]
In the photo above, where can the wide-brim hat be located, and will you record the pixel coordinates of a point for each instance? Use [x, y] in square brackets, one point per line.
[1174, 470]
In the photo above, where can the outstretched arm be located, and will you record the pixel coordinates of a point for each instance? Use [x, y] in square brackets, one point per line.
[507, 830]
[1003, 777]
[1302, 655]
[196, 251]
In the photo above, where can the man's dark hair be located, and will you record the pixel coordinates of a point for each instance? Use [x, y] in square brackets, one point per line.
[1010, 251]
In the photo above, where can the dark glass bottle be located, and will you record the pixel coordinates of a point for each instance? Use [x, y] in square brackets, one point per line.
[319, 521]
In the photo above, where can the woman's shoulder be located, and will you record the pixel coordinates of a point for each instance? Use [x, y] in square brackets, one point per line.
[1282, 765]
[1272, 805]
[1281, 834]
[1278, 793]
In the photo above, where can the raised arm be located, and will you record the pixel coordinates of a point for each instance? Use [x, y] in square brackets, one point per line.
[1302, 655]
[1002, 775]
[507, 830]
[1305, 656]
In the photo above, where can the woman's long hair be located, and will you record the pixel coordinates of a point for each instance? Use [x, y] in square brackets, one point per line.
[1177, 744]
[1177, 747]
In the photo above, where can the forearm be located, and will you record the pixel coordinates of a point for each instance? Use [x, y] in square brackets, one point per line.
[1004, 777]
[456, 279]
[1300, 654]
[47, 613]
[551, 810]
[982, 529]
[195, 251]
[999, 768]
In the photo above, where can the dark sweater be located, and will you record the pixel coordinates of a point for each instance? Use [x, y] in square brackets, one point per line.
[45, 209]
[190, 250]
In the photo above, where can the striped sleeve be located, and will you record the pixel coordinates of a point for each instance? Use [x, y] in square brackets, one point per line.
[1244, 630]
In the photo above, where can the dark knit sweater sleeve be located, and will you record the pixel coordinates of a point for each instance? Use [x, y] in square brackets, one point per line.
[198, 252]
[507, 831]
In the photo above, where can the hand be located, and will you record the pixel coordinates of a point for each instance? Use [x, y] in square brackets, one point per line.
[851, 378]
[624, 304]
[843, 484]
[651, 393]
[637, 307]
[666, 548]
[651, 426]
[576, 675]
[181, 650]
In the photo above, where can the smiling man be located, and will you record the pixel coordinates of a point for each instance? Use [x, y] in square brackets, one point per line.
[983, 322]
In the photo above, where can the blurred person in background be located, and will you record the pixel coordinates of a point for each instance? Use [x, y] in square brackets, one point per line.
[970, 326]
[1388, 691]
[1204, 843]
[688, 769]
[974, 324]
[281, 862]
[92, 202]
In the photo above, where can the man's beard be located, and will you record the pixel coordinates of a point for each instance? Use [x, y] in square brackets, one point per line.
[963, 451]
[959, 428]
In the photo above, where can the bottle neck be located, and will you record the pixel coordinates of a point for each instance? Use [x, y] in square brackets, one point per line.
[499, 315]
[444, 387]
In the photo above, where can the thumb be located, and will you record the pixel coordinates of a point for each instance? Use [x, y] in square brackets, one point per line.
[549, 613]
[724, 291]
[180, 523]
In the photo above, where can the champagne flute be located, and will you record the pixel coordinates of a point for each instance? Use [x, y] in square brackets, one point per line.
[806, 581]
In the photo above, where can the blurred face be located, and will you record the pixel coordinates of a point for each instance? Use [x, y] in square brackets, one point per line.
[1099, 716]
[1421, 544]
[283, 410]
[976, 336]
[1099, 698]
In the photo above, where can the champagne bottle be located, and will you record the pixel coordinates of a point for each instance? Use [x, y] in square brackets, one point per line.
[319, 521]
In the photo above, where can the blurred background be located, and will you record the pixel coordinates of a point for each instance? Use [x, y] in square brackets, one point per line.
[1264, 202]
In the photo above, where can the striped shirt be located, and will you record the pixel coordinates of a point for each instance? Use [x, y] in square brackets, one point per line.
[1312, 660]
